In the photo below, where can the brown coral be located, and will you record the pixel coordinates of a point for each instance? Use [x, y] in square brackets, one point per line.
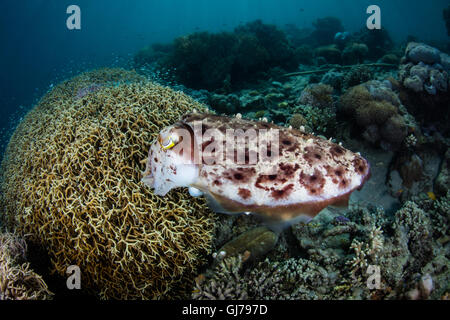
[297, 121]
[71, 179]
[317, 95]
[375, 107]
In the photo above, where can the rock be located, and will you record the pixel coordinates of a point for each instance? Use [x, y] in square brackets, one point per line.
[252, 245]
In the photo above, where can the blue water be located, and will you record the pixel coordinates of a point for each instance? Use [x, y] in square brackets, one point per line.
[37, 50]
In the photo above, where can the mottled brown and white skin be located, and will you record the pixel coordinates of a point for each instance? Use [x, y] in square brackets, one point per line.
[308, 174]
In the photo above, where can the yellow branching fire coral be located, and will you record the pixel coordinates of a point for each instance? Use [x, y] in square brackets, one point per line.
[17, 280]
[71, 179]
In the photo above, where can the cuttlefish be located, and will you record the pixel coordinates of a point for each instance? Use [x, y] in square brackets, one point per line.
[244, 166]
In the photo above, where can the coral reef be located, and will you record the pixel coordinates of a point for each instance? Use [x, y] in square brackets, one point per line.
[225, 284]
[406, 250]
[378, 41]
[424, 77]
[304, 54]
[422, 70]
[202, 59]
[286, 280]
[219, 61]
[446, 15]
[17, 280]
[376, 109]
[317, 95]
[357, 75]
[318, 120]
[298, 121]
[269, 39]
[228, 104]
[354, 53]
[390, 58]
[338, 255]
[330, 53]
[325, 29]
[333, 78]
[71, 181]
[442, 183]
[151, 54]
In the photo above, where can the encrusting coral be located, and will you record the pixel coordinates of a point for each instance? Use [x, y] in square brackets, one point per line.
[17, 280]
[71, 180]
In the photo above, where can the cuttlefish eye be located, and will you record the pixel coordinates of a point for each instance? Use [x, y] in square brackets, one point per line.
[167, 143]
[167, 140]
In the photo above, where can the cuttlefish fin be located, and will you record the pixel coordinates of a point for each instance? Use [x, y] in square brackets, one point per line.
[281, 225]
[342, 202]
[216, 206]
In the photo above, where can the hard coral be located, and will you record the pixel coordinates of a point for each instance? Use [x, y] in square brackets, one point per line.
[422, 70]
[297, 121]
[71, 179]
[325, 29]
[424, 77]
[375, 107]
[17, 280]
[331, 53]
[357, 75]
[212, 61]
[354, 53]
[317, 95]
[203, 59]
[378, 41]
[270, 40]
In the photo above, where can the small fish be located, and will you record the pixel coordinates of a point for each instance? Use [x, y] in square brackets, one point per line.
[280, 173]
[341, 36]
[398, 193]
[431, 195]
[341, 220]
